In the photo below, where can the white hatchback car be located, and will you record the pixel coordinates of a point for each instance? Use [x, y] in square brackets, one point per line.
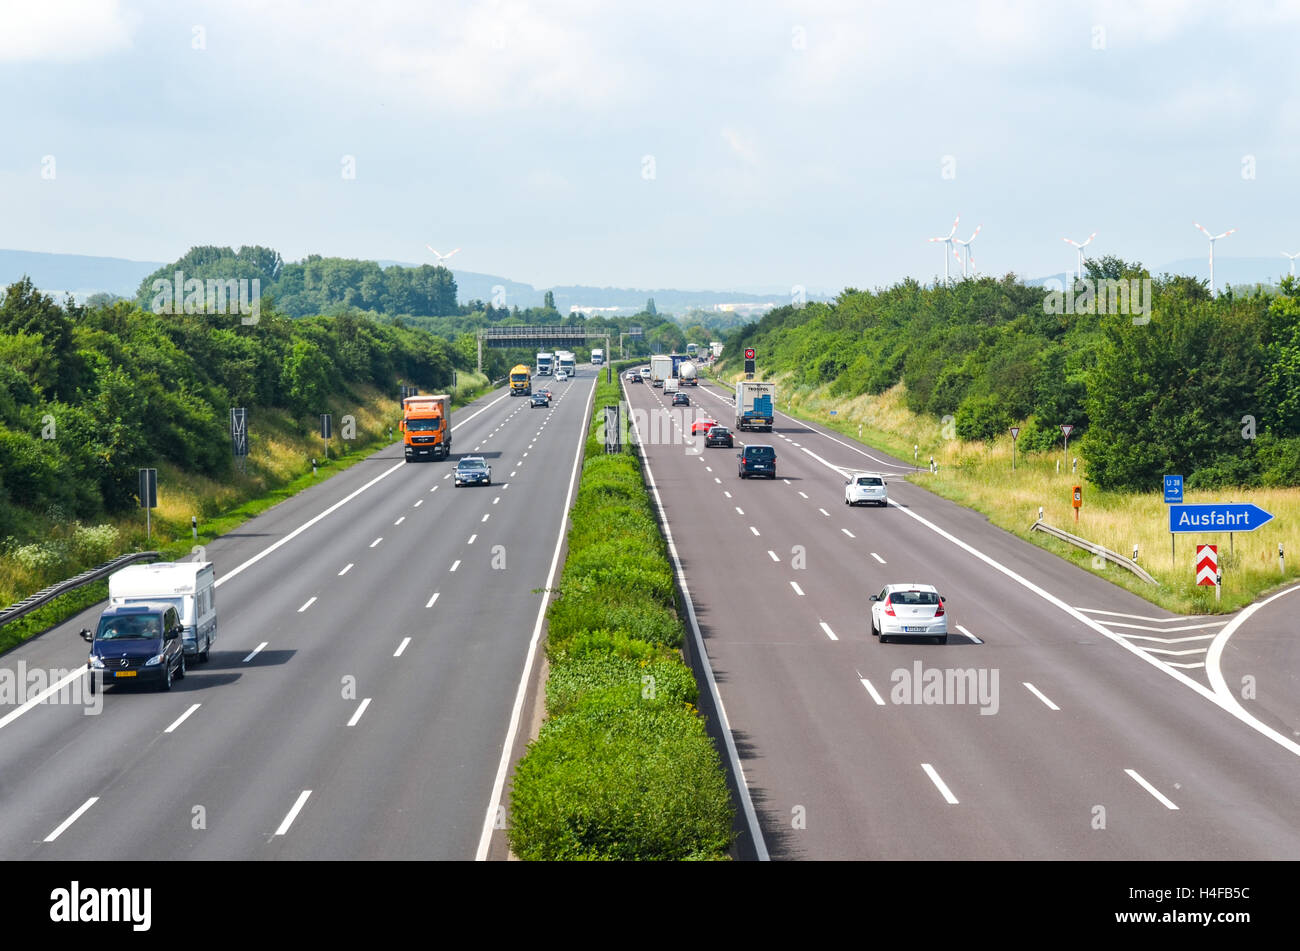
[865, 487]
[909, 610]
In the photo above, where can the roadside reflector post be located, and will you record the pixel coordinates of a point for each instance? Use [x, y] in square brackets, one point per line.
[1218, 585]
[1135, 554]
[194, 526]
[1281, 560]
[313, 466]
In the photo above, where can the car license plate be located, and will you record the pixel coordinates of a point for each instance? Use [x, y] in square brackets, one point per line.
[124, 673]
[915, 630]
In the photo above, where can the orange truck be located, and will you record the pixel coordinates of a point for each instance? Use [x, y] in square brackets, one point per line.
[426, 426]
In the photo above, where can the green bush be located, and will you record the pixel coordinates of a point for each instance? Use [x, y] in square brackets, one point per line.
[614, 681]
[635, 784]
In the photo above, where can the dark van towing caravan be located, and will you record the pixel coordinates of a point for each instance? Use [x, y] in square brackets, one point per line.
[135, 643]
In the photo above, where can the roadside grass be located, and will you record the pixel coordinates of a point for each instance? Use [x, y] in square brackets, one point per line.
[979, 476]
[279, 465]
[623, 768]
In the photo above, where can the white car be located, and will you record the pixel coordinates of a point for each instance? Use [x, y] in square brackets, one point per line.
[561, 375]
[909, 610]
[866, 487]
[645, 374]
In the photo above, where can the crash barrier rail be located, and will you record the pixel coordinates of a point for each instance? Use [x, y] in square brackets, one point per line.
[45, 596]
[1095, 549]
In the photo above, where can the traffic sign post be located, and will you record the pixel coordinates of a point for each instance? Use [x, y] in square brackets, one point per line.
[1173, 496]
[326, 430]
[148, 498]
[1015, 434]
[1066, 429]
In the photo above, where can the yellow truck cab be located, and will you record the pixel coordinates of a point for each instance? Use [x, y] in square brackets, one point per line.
[521, 381]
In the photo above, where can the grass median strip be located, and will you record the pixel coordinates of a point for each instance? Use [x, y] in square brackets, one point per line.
[623, 768]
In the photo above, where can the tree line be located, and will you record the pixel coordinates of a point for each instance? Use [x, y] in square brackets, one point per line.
[1205, 386]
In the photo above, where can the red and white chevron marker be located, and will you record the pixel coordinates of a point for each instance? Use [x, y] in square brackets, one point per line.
[1207, 564]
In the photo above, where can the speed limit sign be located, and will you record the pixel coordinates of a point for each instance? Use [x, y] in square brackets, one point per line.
[749, 354]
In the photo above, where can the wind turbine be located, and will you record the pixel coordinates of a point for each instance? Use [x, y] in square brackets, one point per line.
[1082, 257]
[966, 244]
[1213, 238]
[440, 256]
[947, 239]
[1292, 257]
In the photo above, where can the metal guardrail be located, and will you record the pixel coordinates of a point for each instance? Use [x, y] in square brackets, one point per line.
[1095, 549]
[44, 597]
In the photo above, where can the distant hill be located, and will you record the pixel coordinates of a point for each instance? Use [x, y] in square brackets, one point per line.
[79, 274]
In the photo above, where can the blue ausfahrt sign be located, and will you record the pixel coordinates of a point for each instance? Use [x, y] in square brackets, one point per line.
[1173, 489]
[1217, 517]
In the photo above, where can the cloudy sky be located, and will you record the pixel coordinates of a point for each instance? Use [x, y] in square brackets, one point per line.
[661, 144]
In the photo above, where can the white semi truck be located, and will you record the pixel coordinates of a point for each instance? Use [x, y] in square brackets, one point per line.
[597, 357]
[755, 405]
[687, 374]
[661, 368]
[564, 360]
[545, 363]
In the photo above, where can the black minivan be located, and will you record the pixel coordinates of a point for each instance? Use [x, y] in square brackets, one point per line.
[135, 643]
[757, 460]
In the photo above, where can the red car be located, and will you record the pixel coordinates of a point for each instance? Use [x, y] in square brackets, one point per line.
[702, 426]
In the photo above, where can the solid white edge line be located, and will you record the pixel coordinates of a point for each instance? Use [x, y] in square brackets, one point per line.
[62, 826]
[746, 801]
[942, 786]
[880, 701]
[254, 652]
[293, 812]
[182, 718]
[516, 712]
[401, 647]
[360, 710]
[1133, 774]
[1039, 694]
[827, 628]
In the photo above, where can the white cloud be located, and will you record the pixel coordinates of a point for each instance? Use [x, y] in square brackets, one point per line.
[61, 30]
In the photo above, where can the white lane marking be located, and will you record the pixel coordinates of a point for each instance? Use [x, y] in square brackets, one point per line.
[182, 718]
[377, 541]
[943, 787]
[435, 488]
[400, 520]
[1167, 640]
[804, 494]
[418, 503]
[433, 599]
[346, 569]
[512, 475]
[847, 532]
[471, 540]
[62, 826]
[1039, 694]
[1142, 617]
[516, 712]
[738, 770]
[1185, 666]
[708, 468]
[878, 558]
[455, 564]
[360, 710]
[724, 491]
[739, 510]
[969, 634]
[719, 481]
[293, 813]
[525, 456]
[880, 701]
[773, 554]
[254, 652]
[310, 602]
[797, 590]
[824, 512]
[504, 486]
[401, 647]
[1151, 789]
[827, 628]
[486, 516]
[796, 445]
[1181, 627]
[447, 476]
[786, 481]
[496, 500]
[1161, 650]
